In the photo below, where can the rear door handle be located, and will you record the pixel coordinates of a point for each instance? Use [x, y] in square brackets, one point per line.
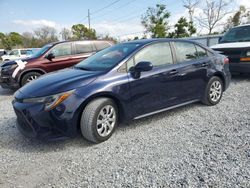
[204, 64]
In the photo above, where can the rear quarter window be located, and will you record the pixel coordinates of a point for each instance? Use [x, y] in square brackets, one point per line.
[185, 51]
[100, 45]
[83, 47]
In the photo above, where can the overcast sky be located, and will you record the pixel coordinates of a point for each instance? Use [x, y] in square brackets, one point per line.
[119, 18]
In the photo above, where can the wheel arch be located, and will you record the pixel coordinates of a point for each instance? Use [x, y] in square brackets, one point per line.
[220, 75]
[121, 110]
[28, 71]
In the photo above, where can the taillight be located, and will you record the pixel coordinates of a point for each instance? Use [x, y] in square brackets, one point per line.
[245, 59]
[226, 60]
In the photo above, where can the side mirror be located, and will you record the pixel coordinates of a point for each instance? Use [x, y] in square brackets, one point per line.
[143, 66]
[50, 56]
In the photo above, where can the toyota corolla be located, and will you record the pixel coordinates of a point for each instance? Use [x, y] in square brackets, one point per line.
[127, 81]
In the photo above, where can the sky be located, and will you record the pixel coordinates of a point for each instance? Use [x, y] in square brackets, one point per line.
[118, 18]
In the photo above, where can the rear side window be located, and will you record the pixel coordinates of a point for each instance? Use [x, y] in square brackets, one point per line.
[158, 54]
[14, 52]
[83, 47]
[23, 52]
[100, 45]
[185, 51]
[201, 52]
[62, 50]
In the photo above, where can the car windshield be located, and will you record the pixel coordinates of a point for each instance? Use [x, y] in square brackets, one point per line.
[237, 34]
[42, 50]
[108, 58]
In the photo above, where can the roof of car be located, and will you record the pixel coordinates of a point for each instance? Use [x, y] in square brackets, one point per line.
[147, 41]
[59, 42]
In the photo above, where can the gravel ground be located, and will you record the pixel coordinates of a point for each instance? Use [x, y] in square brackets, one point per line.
[192, 146]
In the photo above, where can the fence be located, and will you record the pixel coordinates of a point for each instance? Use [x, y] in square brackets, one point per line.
[209, 40]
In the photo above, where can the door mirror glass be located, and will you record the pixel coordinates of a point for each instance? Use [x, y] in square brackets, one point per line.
[50, 56]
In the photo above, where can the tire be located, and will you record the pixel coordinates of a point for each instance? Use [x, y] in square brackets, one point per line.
[30, 76]
[93, 127]
[213, 92]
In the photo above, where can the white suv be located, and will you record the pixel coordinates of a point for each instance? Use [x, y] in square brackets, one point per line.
[17, 54]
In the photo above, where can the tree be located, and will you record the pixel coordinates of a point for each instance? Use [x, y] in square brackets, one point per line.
[66, 34]
[80, 31]
[242, 16]
[155, 21]
[46, 35]
[190, 5]
[213, 12]
[183, 28]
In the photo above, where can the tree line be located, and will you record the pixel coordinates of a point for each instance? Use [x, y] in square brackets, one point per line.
[155, 21]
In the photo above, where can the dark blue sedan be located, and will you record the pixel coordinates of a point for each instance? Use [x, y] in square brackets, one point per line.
[127, 81]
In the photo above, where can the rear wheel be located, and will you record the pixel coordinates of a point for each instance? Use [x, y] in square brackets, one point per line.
[213, 92]
[29, 77]
[99, 120]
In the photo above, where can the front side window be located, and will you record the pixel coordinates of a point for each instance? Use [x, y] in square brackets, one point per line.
[14, 52]
[158, 54]
[83, 47]
[185, 51]
[62, 50]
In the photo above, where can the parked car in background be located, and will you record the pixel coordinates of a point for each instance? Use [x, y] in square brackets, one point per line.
[18, 54]
[127, 81]
[51, 57]
[2, 52]
[235, 44]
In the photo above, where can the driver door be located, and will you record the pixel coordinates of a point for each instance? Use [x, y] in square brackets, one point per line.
[158, 88]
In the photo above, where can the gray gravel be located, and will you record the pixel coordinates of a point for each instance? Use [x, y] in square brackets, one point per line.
[192, 146]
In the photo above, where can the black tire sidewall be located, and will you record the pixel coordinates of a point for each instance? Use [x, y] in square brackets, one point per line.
[94, 121]
[211, 81]
[26, 76]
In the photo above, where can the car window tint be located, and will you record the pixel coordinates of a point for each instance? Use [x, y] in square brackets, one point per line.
[100, 45]
[62, 50]
[83, 47]
[158, 54]
[201, 52]
[14, 52]
[185, 51]
[23, 52]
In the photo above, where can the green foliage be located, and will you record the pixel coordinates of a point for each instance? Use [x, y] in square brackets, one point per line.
[80, 31]
[183, 28]
[242, 16]
[155, 21]
[8, 41]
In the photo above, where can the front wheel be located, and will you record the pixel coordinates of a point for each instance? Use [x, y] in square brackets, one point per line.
[29, 77]
[99, 120]
[213, 92]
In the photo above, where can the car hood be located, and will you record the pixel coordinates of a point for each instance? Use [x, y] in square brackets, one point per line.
[231, 45]
[57, 82]
[12, 62]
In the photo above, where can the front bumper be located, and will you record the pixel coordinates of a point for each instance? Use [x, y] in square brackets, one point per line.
[34, 122]
[7, 82]
[241, 67]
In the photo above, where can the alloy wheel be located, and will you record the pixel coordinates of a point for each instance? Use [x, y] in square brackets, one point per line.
[215, 91]
[106, 120]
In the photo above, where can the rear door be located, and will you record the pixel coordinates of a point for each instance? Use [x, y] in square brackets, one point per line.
[158, 88]
[193, 63]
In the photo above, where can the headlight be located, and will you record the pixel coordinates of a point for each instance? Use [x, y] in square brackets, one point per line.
[9, 67]
[248, 54]
[51, 101]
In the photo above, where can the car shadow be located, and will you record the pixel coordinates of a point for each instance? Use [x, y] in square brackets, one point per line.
[240, 77]
[6, 92]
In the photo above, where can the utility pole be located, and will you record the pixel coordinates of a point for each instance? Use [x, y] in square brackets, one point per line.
[89, 18]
